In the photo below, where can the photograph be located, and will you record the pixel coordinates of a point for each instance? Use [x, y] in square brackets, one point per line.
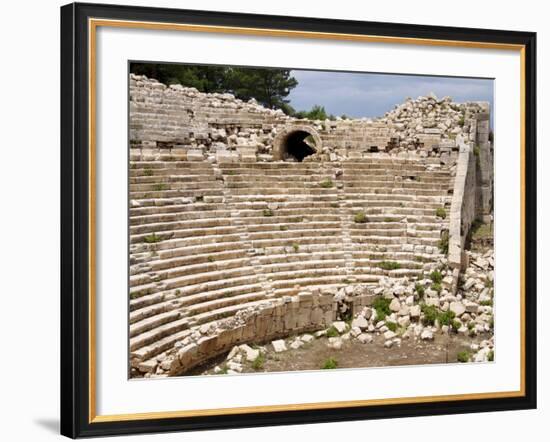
[287, 220]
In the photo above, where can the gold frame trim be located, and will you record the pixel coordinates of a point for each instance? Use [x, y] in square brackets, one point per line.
[93, 24]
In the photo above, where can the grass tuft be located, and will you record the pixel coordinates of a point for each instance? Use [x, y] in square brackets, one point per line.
[152, 238]
[326, 184]
[389, 265]
[360, 218]
[330, 364]
[382, 307]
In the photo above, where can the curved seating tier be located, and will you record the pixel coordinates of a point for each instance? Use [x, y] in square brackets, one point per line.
[208, 240]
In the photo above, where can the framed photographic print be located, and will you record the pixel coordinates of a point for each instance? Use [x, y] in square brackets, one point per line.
[274, 220]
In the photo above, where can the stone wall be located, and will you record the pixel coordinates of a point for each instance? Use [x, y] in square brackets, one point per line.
[177, 120]
[276, 318]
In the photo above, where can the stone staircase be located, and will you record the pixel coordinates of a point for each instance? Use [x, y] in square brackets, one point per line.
[208, 240]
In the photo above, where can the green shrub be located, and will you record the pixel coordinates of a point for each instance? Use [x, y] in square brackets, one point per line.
[160, 187]
[268, 212]
[330, 364]
[332, 332]
[463, 356]
[152, 238]
[389, 265]
[441, 213]
[326, 184]
[486, 303]
[436, 276]
[476, 150]
[210, 259]
[360, 218]
[283, 228]
[431, 313]
[491, 356]
[437, 287]
[258, 363]
[446, 318]
[391, 326]
[444, 243]
[382, 307]
[461, 121]
[148, 172]
[419, 289]
[456, 324]
[296, 247]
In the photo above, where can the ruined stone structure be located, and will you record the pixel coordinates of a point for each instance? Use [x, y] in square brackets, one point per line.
[245, 222]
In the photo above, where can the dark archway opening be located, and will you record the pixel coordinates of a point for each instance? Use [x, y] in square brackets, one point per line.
[298, 145]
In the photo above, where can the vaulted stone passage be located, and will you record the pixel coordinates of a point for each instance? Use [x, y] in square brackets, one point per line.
[297, 143]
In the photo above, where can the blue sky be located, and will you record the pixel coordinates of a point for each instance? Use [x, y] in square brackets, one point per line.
[370, 95]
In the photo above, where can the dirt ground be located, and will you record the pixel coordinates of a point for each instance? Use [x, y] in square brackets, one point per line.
[312, 356]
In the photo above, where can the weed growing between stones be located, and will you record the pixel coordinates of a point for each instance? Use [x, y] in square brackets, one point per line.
[330, 364]
[152, 238]
[389, 265]
[360, 218]
[382, 307]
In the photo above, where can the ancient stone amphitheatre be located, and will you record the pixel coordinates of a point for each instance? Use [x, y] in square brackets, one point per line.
[258, 240]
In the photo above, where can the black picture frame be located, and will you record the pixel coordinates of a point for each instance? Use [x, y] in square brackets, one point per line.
[75, 220]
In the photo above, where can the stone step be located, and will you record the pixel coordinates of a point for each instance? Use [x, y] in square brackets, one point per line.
[193, 244]
[175, 186]
[146, 209]
[187, 296]
[301, 241]
[165, 178]
[321, 255]
[201, 268]
[152, 349]
[184, 224]
[172, 193]
[152, 322]
[306, 264]
[304, 282]
[182, 249]
[401, 232]
[174, 217]
[158, 333]
[217, 256]
[296, 234]
[224, 312]
[201, 308]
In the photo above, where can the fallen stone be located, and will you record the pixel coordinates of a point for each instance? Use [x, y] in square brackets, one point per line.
[335, 343]
[457, 308]
[340, 326]
[414, 311]
[427, 335]
[251, 353]
[395, 305]
[360, 322]
[365, 338]
[279, 345]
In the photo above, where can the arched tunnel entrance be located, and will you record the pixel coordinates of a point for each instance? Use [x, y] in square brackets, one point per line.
[296, 143]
